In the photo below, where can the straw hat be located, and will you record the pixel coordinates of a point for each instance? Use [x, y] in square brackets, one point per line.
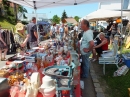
[19, 26]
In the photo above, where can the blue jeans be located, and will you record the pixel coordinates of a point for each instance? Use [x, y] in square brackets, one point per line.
[61, 35]
[85, 65]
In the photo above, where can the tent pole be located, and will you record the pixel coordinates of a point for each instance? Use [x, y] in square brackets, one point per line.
[121, 15]
[121, 26]
[37, 25]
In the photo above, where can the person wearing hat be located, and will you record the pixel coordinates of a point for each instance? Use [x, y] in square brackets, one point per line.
[3, 47]
[20, 37]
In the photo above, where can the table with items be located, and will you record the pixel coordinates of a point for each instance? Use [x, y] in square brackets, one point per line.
[50, 70]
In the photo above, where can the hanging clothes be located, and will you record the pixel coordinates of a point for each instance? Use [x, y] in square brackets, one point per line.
[8, 37]
[13, 47]
[4, 35]
[11, 37]
[2, 46]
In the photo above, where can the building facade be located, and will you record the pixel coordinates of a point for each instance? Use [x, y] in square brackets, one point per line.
[115, 5]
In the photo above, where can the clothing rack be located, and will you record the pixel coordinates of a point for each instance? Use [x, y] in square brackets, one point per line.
[9, 39]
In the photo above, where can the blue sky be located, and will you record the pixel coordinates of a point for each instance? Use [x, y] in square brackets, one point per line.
[78, 10]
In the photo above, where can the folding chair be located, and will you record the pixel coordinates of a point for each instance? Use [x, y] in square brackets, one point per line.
[109, 57]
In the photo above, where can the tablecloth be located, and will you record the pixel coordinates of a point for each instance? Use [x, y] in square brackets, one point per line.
[22, 94]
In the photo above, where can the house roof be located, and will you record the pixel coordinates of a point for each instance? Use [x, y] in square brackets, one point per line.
[71, 20]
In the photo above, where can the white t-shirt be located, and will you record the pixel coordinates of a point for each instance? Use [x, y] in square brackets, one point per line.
[76, 28]
[87, 37]
[53, 29]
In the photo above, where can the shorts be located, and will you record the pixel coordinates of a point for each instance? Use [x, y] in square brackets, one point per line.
[99, 51]
[112, 35]
[53, 36]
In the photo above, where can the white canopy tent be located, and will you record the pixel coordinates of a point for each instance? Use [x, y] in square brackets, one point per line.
[38, 4]
[104, 15]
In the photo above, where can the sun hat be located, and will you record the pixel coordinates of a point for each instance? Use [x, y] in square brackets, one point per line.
[19, 26]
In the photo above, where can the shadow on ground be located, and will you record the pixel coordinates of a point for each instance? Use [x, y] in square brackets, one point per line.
[88, 90]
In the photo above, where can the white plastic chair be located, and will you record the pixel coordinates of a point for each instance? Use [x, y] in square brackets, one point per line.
[109, 57]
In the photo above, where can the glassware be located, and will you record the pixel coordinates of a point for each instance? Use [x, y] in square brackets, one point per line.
[34, 68]
[42, 65]
[16, 66]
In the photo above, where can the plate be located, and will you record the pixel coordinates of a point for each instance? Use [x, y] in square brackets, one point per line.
[35, 48]
[17, 61]
[41, 48]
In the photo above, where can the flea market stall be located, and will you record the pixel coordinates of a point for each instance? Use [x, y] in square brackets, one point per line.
[50, 70]
[38, 4]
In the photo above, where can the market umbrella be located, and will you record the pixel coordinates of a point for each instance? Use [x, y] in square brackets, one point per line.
[104, 15]
[42, 23]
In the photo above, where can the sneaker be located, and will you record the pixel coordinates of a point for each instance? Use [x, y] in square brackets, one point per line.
[94, 60]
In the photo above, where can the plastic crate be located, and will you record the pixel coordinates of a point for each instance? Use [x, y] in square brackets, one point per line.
[126, 61]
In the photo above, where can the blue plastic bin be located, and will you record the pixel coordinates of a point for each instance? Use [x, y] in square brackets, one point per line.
[126, 61]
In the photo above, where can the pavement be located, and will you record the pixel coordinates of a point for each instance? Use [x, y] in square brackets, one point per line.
[89, 90]
[2, 63]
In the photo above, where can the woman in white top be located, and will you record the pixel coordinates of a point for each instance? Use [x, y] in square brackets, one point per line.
[3, 47]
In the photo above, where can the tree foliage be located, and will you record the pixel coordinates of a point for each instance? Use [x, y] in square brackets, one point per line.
[77, 18]
[56, 19]
[9, 11]
[22, 10]
[64, 15]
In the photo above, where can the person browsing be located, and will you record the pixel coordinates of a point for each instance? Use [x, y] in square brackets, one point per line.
[86, 47]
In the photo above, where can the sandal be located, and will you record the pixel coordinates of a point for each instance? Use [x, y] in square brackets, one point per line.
[3, 59]
[94, 60]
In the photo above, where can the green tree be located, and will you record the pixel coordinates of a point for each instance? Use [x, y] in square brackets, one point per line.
[7, 8]
[56, 19]
[22, 10]
[64, 15]
[9, 11]
[77, 18]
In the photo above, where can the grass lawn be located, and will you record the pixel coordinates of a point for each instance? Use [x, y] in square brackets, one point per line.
[5, 24]
[118, 86]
